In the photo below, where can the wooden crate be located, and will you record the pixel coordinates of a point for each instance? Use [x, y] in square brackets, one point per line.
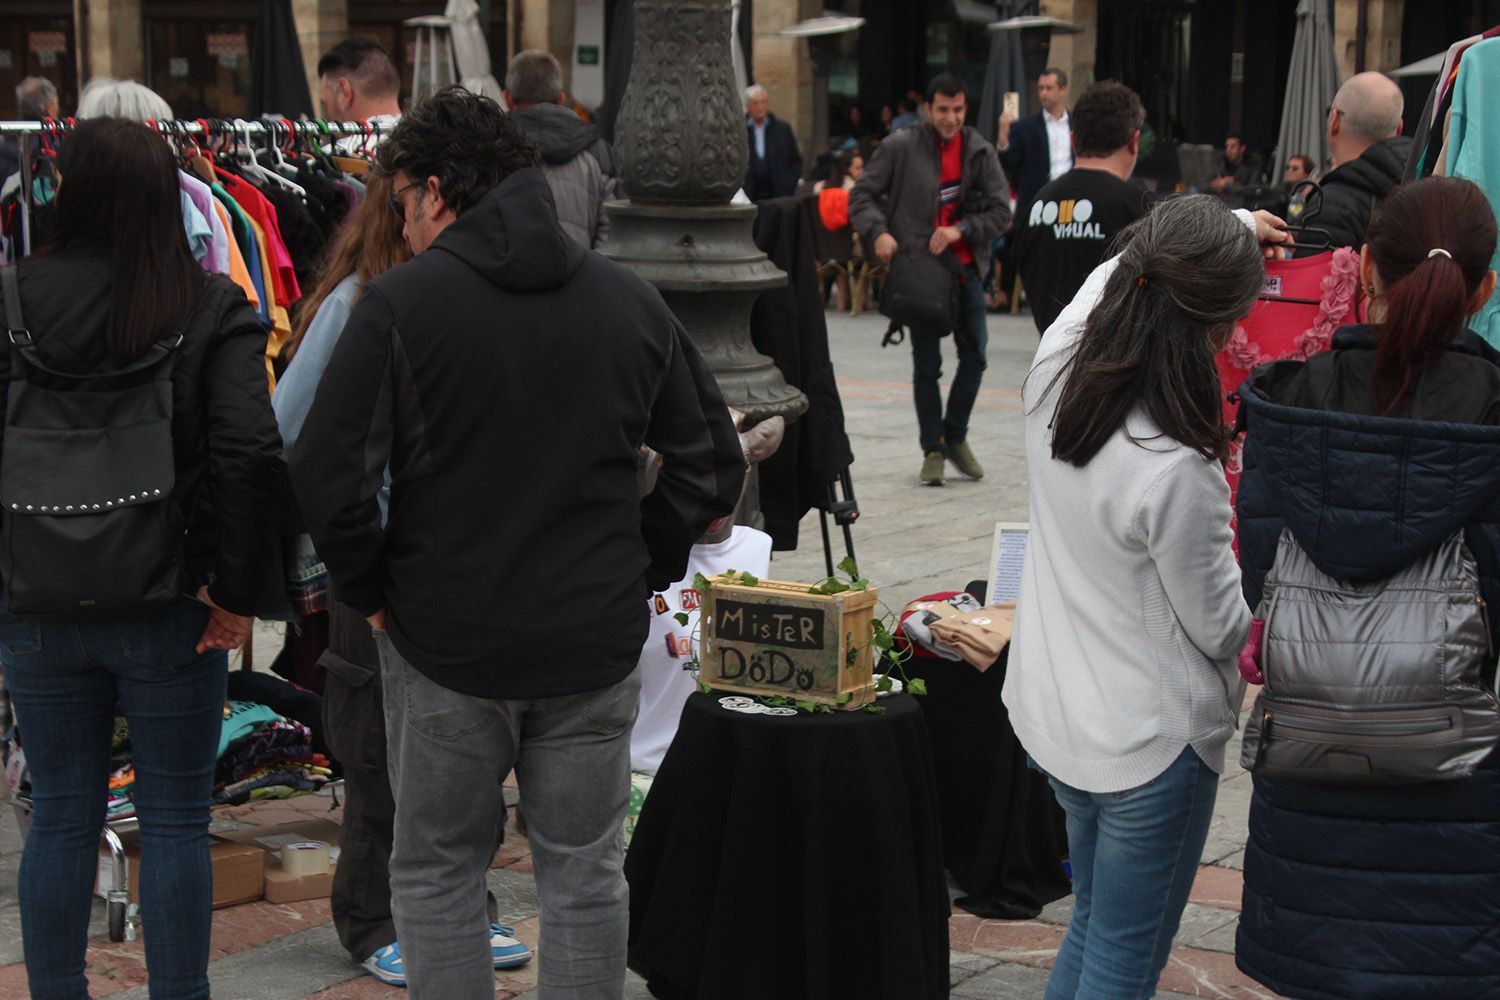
[777, 639]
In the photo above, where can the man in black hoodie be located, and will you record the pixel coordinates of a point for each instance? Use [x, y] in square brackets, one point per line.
[1368, 155]
[579, 164]
[507, 377]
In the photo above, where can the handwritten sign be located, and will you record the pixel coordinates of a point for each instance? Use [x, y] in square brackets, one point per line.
[774, 638]
[773, 624]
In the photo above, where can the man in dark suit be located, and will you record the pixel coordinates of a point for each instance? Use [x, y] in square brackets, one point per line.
[1038, 148]
[775, 161]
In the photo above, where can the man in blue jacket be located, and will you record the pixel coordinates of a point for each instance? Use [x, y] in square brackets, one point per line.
[775, 164]
[1039, 147]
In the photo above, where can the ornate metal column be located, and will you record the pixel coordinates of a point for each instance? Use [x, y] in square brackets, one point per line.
[681, 141]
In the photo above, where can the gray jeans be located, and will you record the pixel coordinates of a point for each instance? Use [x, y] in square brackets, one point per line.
[448, 753]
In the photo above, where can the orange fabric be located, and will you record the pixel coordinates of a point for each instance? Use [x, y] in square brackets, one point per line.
[239, 273]
[833, 208]
[281, 326]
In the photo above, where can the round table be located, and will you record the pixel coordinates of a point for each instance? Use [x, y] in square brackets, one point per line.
[791, 857]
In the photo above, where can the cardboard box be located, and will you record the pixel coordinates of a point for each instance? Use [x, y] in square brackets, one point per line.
[775, 638]
[239, 872]
[284, 887]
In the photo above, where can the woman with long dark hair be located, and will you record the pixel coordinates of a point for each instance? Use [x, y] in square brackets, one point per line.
[115, 279]
[1373, 455]
[1122, 685]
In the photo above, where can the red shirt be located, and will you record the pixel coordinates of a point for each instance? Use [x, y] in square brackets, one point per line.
[951, 170]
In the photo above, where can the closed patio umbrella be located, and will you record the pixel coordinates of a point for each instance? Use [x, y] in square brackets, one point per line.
[1006, 71]
[470, 48]
[278, 79]
[1311, 83]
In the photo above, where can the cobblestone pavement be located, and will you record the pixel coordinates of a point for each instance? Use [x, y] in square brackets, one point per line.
[911, 540]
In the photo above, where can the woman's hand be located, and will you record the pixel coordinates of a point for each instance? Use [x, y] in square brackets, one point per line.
[225, 629]
[1270, 231]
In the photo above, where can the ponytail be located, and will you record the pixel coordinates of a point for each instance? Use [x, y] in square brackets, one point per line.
[1431, 241]
[1424, 313]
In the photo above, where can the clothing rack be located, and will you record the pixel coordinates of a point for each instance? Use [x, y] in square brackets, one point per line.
[211, 127]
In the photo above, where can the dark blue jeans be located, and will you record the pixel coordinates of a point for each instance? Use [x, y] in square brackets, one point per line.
[972, 339]
[67, 680]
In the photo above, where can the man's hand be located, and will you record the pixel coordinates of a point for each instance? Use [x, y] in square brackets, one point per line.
[885, 247]
[1270, 231]
[1221, 184]
[224, 630]
[1003, 130]
[943, 237]
[377, 620]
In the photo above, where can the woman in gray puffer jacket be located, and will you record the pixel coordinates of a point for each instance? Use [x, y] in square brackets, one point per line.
[1372, 455]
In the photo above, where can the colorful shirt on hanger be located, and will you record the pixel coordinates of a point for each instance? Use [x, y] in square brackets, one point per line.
[1474, 148]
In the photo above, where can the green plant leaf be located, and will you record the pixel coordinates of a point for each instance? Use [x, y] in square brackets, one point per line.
[748, 581]
[845, 697]
[917, 686]
[849, 566]
[851, 655]
[704, 688]
[860, 584]
[700, 583]
[875, 709]
[682, 617]
[883, 682]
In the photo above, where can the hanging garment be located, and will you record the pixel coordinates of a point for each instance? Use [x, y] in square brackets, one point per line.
[1277, 329]
[1474, 148]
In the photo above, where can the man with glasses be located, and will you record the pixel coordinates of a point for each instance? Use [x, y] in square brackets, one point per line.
[507, 376]
[1367, 153]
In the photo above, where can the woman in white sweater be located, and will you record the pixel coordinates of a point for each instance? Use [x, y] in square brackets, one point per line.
[1122, 683]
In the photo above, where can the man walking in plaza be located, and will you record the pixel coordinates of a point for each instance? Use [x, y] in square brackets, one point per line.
[509, 609]
[944, 171]
[1368, 156]
[358, 81]
[1074, 217]
[775, 161]
[1037, 149]
[578, 162]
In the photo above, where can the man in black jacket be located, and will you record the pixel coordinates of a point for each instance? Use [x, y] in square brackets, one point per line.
[1368, 154]
[1038, 148]
[775, 161]
[507, 376]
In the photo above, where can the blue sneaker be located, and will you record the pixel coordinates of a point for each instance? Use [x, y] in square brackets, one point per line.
[385, 965]
[507, 951]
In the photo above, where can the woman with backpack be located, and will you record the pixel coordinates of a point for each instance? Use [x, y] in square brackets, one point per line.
[1364, 462]
[138, 448]
[1122, 685]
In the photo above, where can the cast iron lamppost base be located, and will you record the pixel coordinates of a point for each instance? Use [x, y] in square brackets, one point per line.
[682, 148]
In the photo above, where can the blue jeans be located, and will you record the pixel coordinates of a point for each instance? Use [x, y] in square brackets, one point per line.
[448, 753]
[971, 336]
[1134, 855]
[67, 680]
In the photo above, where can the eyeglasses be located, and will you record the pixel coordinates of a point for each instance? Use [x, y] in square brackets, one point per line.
[1330, 110]
[397, 205]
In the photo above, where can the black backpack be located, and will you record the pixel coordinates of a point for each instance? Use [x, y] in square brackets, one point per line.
[87, 521]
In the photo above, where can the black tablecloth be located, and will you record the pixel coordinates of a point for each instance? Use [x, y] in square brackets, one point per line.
[789, 858]
[1004, 836]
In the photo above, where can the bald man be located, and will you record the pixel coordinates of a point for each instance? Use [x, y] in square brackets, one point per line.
[1367, 153]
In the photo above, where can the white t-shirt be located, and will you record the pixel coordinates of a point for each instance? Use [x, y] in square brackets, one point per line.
[665, 679]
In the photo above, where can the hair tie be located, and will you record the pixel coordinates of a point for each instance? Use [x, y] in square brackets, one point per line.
[1435, 251]
[1140, 281]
